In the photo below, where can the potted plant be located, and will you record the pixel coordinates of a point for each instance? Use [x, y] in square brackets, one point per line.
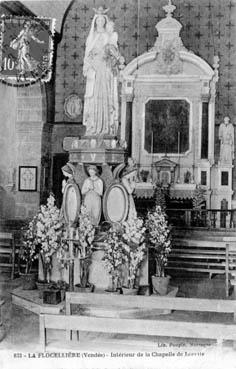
[29, 252]
[158, 235]
[48, 234]
[113, 257]
[134, 247]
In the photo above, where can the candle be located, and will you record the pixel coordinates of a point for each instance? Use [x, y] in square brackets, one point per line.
[71, 250]
[77, 234]
[83, 251]
[71, 233]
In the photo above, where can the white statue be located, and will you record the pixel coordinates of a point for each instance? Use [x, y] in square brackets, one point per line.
[226, 136]
[68, 172]
[129, 179]
[101, 66]
[92, 190]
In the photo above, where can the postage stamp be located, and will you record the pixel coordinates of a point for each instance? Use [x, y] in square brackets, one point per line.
[26, 49]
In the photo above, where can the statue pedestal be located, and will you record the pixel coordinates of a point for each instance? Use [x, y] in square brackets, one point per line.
[94, 150]
[97, 151]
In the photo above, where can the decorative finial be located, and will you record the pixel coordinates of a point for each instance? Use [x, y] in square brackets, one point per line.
[169, 8]
[100, 10]
[216, 60]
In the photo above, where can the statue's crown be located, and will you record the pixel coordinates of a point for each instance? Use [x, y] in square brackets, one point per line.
[100, 10]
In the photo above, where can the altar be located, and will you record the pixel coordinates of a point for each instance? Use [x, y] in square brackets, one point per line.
[172, 94]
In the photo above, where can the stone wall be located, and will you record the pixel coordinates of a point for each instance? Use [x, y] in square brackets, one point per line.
[8, 156]
[31, 116]
[22, 118]
[208, 29]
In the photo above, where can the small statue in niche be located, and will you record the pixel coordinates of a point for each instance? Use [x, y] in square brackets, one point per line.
[165, 178]
[226, 137]
[128, 179]
[92, 191]
[187, 177]
[144, 175]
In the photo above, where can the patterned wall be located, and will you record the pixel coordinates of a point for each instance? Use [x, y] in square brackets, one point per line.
[209, 27]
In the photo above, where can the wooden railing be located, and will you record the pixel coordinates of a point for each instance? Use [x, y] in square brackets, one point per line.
[133, 326]
[207, 218]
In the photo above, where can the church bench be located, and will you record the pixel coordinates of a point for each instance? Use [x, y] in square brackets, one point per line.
[201, 256]
[230, 267]
[8, 251]
[148, 327]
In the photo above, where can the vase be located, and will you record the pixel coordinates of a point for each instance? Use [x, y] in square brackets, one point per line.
[88, 288]
[129, 291]
[28, 281]
[160, 285]
[42, 286]
[117, 291]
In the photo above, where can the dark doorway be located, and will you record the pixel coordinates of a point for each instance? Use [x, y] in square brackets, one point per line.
[58, 161]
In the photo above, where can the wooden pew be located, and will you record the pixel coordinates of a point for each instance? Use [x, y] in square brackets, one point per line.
[230, 264]
[202, 256]
[149, 327]
[8, 252]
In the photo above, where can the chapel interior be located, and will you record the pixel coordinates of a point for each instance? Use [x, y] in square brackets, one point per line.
[174, 111]
[35, 120]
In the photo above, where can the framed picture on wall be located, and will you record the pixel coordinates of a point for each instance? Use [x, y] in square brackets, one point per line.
[28, 178]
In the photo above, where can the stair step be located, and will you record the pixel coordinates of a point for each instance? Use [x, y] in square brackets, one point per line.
[199, 243]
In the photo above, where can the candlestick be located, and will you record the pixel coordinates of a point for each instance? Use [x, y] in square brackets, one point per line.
[66, 233]
[178, 179]
[152, 155]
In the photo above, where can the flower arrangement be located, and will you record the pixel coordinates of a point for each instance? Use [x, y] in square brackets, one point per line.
[29, 250]
[48, 233]
[199, 202]
[113, 255]
[85, 232]
[134, 246]
[159, 238]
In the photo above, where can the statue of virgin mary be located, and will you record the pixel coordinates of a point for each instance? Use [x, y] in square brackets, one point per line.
[101, 65]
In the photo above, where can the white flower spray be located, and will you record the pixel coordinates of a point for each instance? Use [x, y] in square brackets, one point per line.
[159, 238]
